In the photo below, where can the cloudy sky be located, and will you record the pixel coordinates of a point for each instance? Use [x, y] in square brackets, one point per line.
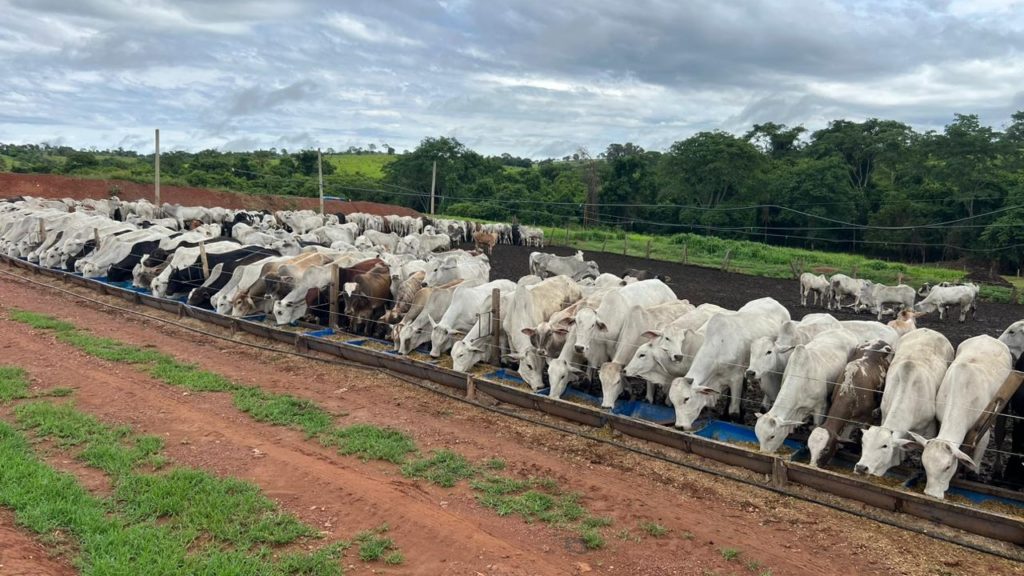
[530, 77]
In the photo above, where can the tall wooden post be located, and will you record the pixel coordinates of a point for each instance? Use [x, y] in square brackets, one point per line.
[332, 319]
[320, 173]
[625, 244]
[433, 186]
[496, 326]
[96, 239]
[156, 169]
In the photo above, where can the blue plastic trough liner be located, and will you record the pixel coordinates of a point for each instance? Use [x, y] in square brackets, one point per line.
[729, 432]
[506, 375]
[974, 497]
[657, 413]
[125, 285]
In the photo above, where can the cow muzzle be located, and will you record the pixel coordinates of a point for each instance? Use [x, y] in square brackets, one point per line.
[860, 469]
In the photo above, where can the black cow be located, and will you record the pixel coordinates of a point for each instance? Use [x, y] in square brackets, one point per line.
[200, 297]
[191, 276]
[87, 249]
[1013, 472]
[159, 255]
[122, 270]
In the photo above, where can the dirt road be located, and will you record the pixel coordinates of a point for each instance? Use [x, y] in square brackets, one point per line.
[445, 531]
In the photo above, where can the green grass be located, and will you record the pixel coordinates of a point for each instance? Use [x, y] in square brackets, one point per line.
[370, 442]
[170, 371]
[730, 554]
[592, 539]
[57, 392]
[654, 529]
[443, 468]
[283, 410]
[371, 165]
[373, 546]
[13, 383]
[40, 321]
[496, 464]
[628, 536]
[529, 500]
[106, 539]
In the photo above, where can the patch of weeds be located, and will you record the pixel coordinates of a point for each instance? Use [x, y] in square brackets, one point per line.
[654, 529]
[768, 572]
[109, 349]
[443, 468]
[40, 321]
[322, 562]
[170, 371]
[753, 566]
[496, 464]
[500, 485]
[626, 535]
[592, 539]
[687, 535]
[596, 522]
[56, 392]
[370, 442]
[373, 545]
[730, 554]
[13, 383]
[283, 410]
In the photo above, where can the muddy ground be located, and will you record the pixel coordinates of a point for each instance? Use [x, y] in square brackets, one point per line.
[730, 290]
[445, 531]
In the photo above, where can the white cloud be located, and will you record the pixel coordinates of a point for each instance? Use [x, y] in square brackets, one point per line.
[367, 30]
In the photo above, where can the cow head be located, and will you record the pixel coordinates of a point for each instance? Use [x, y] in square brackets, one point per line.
[440, 339]
[763, 359]
[643, 362]
[771, 431]
[467, 354]
[531, 368]
[560, 373]
[1013, 337]
[590, 330]
[940, 460]
[610, 375]
[881, 449]
[822, 445]
[689, 400]
[289, 309]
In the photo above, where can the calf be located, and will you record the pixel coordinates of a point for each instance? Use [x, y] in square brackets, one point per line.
[905, 321]
[484, 240]
[369, 296]
[841, 286]
[816, 286]
[853, 400]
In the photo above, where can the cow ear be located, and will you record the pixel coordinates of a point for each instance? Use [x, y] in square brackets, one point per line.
[601, 326]
[570, 321]
[703, 390]
[790, 422]
[529, 331]
[918, 438]
[561, 331]
[758, 414]
[908, 445]
[961, 456]
[651, 334]
[784, 349]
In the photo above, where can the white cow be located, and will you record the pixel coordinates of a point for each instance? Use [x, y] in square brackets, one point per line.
[476, 347]
[417, 331]
[769, 356]
[908, 402]
[597, 329]
[722, 360]
[841, 286]
[870, 330]
[942, 297]
[875, 297]
[545, 265]
[813, 285]
[445, 269]
[468, 303]
[982, 364]
[639, 320]
[1013, 337]
[810, 375]
[669, 352]
[182, 258]
[533, 304]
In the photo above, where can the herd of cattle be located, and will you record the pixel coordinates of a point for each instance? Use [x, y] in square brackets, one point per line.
[565, 322]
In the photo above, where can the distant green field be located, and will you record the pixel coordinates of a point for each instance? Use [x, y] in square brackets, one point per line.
[371, 165]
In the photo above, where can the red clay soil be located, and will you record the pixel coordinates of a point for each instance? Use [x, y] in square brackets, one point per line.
[445, 531]
[21, 555]
[54, 186]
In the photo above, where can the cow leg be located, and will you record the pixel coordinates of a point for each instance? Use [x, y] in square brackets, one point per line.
[735, 398]
[650, 392]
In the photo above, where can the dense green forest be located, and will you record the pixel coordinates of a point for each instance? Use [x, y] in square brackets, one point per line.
[876, 187]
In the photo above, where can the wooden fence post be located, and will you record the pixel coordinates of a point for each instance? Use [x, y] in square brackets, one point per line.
[496, 326]
[725, 262]
[96, 239]
[604, 244]
[42, 231]
[332, 319]
[625, 244]
[566, 233]
[686, 254]
[202, 256]
[647, 251]
[470, 387]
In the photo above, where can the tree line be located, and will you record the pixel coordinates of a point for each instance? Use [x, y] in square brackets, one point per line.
[877, 187]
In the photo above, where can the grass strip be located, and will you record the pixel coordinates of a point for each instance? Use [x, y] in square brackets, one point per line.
[109, 542]
[443, 468]
[13, 383]
[370, 442]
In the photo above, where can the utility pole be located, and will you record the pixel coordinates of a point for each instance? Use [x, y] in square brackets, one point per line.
[433, 184]
[156, 159]
[320, 173]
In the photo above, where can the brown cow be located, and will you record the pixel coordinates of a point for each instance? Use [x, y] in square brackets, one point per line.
[485, 239]
[370, 294]
[853, 400]
[403, 297]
